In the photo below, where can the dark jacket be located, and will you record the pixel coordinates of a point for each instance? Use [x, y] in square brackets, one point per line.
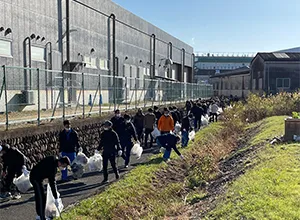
[68, 141]
[13, 159]
[127, 135]
[169, 142]
[46, 169]
[185, 124]
[149, 121]
[178, 115]
[109, 142]
[175, 117]
[138, 120]
[197, 111]
[118, 124]
[157, 114]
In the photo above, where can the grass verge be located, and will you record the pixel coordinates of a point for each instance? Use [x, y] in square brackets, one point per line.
[156, 189]
[270, 189]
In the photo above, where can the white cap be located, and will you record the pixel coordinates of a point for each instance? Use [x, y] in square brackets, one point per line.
[1, 148]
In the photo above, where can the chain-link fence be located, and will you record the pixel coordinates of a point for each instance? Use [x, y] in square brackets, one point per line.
[35, 95]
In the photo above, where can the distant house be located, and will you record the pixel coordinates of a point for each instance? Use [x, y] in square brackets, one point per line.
[275, 72]
[269, 73]
[235, 82]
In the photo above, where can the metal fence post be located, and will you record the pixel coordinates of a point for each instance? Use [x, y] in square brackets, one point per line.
[136, 104]
[5, 96]
[63, 95]
[159, 93]
[126, 91]
[145, 91]
[83, 103]
[39, 96]
[100, 95]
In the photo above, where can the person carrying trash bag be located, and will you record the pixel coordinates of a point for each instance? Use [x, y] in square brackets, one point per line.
[166, 122]
[117, 122]
[169, 141]
[13, 162]
[126, 137]
[185, 129]
[68, 146]
[46, 169]
[110, 144]
[138, 122]
[149, 122]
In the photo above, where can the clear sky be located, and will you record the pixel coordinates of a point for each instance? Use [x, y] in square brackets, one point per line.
[224, 25]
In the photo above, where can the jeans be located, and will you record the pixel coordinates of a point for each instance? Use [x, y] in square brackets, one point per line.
[71, 156]
[184, 138]
[167, 154]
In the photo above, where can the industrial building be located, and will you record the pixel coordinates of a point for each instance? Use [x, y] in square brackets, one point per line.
[92, 36]
[269, 73]
[211, 64]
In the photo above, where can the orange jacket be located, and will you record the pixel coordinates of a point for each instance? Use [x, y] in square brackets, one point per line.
[166, 123]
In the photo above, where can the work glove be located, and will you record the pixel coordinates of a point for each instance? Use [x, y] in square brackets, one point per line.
[119, 153]
[56, 202]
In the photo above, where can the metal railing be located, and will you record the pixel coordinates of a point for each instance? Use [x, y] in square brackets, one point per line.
[60, 94]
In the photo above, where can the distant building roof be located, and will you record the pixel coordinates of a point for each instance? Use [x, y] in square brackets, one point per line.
[278, 56]
[291, 50]
[239, 71]
[223, 59]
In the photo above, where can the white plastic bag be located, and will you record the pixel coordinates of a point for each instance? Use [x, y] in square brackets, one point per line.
[81, 158]
[177, 127]
[137, 150]
[22, 182]
[51, 210]
[204, 121]
[77, 170]
[192, 135]
[95, 162]
[155, 133]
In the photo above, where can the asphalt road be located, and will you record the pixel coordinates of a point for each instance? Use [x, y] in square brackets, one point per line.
[71, 192]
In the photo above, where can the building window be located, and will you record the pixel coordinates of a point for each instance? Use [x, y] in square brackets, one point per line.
[90, 62]
[38, 54]
[103, 64]
[5, 48]
[283, 82]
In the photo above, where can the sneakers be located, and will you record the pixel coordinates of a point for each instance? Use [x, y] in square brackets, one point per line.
[117, 176]
[104, 182]
[126, 166]
[6, 195]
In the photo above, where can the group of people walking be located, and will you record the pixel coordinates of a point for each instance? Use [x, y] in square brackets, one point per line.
[116, 140]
